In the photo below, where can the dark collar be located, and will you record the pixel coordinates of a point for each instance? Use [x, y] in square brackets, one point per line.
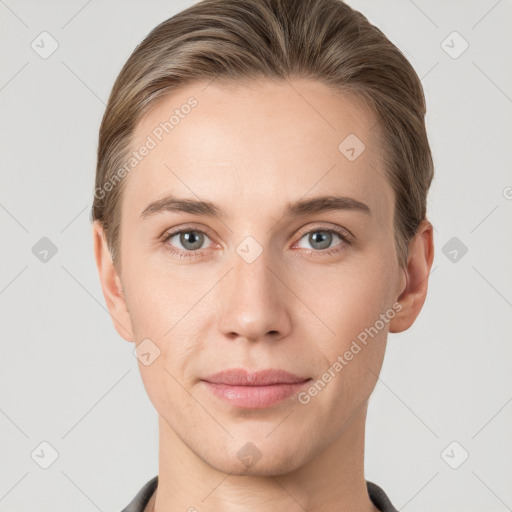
[377, 495]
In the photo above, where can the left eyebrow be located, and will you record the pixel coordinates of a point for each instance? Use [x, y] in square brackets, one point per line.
[171, 203]
[325, 203]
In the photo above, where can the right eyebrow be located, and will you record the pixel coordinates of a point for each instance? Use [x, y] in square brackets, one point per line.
[171, 203]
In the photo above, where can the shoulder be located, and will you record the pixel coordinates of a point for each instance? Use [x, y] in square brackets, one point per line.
[380, 498]
[141, 499]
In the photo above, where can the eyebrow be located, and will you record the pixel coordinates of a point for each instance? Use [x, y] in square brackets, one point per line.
[171, 203]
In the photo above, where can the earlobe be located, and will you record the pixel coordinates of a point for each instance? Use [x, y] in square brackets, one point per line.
[412, 298]
[111, 284]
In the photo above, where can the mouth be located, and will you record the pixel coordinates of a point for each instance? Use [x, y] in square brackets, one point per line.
[254, 390]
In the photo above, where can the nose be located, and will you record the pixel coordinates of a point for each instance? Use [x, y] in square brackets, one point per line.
[254, 301]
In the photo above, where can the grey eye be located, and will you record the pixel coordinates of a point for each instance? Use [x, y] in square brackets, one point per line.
[190, 240]
[320, 239]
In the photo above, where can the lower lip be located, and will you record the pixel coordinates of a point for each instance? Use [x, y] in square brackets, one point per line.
[255, 397]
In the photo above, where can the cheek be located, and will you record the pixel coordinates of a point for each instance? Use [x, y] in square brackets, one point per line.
[155, 298]
[356, 306]
[352, 298]
[167, 310]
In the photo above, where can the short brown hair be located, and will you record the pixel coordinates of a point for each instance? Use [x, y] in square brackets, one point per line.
[239, 40]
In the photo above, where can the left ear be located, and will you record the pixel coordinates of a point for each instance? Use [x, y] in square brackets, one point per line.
[419, 263]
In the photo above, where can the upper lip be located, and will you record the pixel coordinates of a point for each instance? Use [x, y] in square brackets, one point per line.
[242, 377]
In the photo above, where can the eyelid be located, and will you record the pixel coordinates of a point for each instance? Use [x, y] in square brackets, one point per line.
[187, 227]
[302, 232]
[341, 231]
[344, 234]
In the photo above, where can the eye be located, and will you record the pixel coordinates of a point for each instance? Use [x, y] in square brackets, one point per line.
[190, 239]
[321, 239]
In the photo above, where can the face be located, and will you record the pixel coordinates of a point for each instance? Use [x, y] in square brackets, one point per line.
[259, 280]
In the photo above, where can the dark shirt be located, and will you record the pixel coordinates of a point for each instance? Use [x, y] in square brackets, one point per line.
[377, 495]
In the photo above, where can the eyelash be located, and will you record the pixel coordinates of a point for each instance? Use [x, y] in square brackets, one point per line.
[197, 253]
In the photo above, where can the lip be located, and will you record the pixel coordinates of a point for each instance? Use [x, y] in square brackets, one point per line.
[243, 377]
[254, 390]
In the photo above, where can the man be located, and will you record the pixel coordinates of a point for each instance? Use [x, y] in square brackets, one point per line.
[259, 228]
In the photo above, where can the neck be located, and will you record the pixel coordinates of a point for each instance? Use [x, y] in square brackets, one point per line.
[331, 480]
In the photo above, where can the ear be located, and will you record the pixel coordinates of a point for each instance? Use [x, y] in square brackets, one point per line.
[111, 284]
[419, 263]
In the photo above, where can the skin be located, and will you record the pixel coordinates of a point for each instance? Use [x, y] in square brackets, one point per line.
[251, 150]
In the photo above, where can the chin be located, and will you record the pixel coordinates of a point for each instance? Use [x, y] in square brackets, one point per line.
[265, 460]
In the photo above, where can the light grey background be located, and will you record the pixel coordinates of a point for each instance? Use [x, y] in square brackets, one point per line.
[67, 378]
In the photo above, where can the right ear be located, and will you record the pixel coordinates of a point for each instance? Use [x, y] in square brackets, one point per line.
[111, 284]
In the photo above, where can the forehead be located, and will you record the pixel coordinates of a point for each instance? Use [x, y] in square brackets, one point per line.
[262, 144]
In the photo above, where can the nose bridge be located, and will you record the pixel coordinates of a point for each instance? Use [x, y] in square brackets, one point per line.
[251, 272]
[251, 297]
